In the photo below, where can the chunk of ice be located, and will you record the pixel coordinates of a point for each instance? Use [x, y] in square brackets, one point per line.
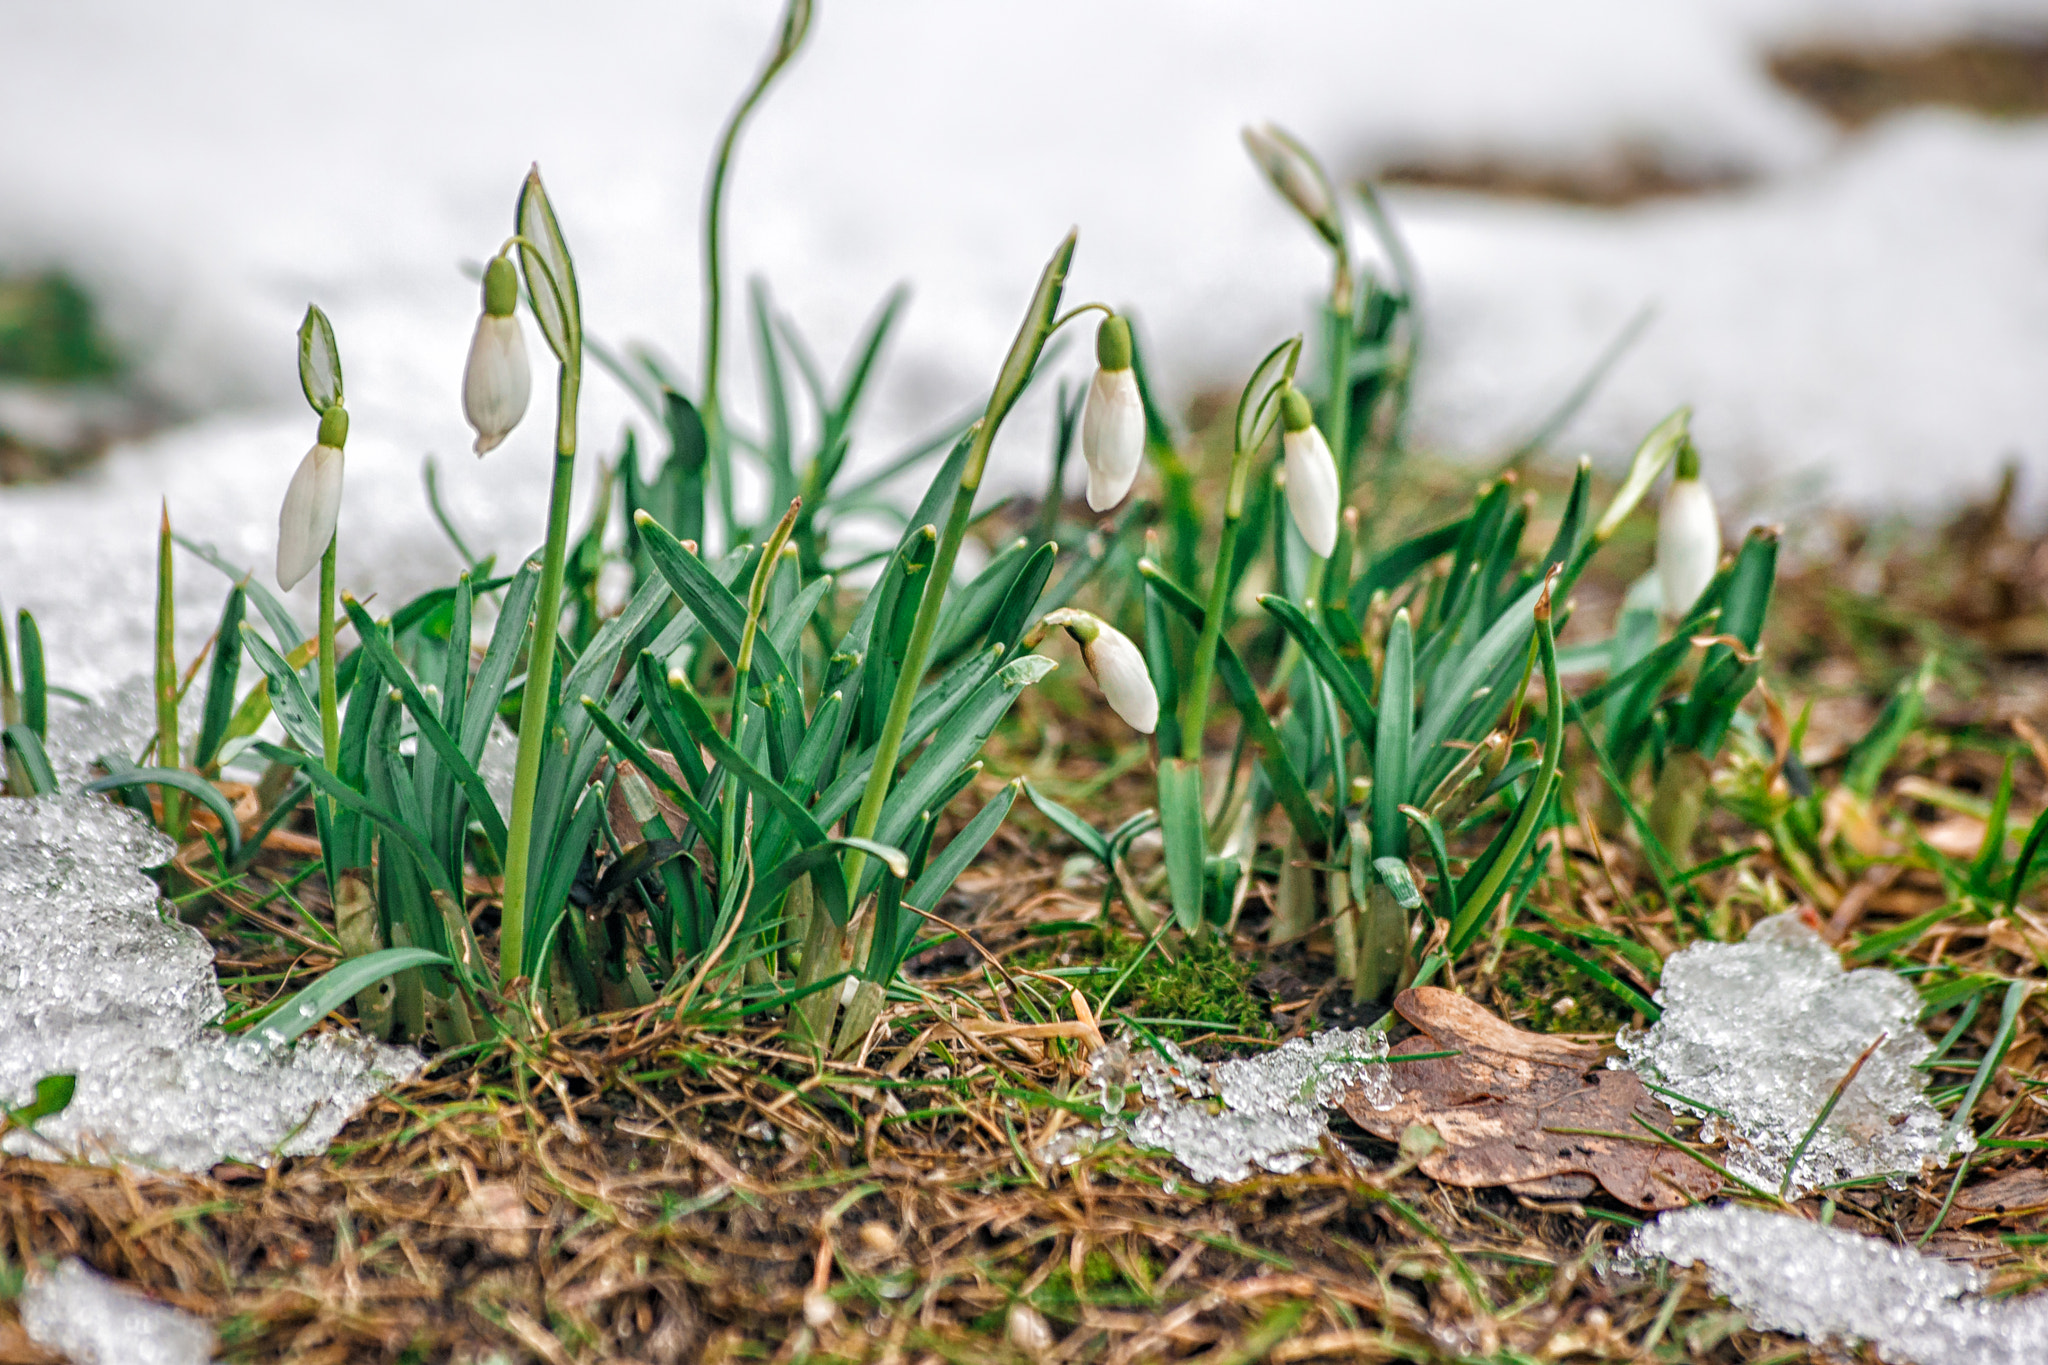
[88, 1318]
[1763, 1031]
[1272, 1112]
[1829, 1284]
[96, 983]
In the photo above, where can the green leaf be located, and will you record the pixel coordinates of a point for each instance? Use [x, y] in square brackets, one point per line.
[1870, 755]
[431, 731]
[220, 681]
[1321, 651]
[1069, 824]
[35, 685]
[394, 826]
[1395, 876]
[52, 1097]
[319, 361]
[494, 674]
[1187, 851]
[550, 274]
[1392, 755]
[288, 700]
[273, 611]
[337, 987]
[35, 761]
[190, 783]
[1621, 990]
[830, 884]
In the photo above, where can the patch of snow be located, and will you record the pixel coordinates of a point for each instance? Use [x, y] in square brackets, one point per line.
[92, 1320]
[1871, 308]
[1270, 1111]
[96, 981]
[1830, 1285]
[1764, 1030]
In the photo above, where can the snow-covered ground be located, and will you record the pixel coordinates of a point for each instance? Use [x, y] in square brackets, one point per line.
[1869, 316]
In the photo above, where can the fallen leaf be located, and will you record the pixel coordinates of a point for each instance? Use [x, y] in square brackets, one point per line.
[1505, 1104]
[2016, 1192]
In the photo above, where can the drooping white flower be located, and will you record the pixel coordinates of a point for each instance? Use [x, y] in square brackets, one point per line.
[1287, 165]
[1312, 495]
[312, 503]
[1117, 665]
[497, 381]
[1113, 422]
[1688, 537]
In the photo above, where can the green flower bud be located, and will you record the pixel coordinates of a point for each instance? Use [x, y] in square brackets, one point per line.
[501, 287]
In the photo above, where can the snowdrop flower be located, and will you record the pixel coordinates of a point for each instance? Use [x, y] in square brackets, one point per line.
[1311, 474]
[1113, 423]
[1688, 536]
[1300, 181]
[312, 503]
[496, 382]
[1117, 665]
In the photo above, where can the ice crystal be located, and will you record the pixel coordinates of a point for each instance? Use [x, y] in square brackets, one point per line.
[95, 982]
[1763, 1031]
[91, 1320]
[1828, 1284]
[1272, 1106]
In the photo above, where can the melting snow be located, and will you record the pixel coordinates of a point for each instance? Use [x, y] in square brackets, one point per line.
[1273, 1106]
[81, 1314]
[95, 981]
[1830, 1284]
[1763, 1031]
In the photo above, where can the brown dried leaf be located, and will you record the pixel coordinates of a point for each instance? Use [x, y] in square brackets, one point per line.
[2016, 1192]
[1499, 1104]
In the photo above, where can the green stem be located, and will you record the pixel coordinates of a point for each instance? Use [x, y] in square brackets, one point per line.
[795, 24]
[534, 717]
[330, 703]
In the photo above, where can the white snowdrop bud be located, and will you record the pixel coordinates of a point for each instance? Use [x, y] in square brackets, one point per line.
[1113, 422]
[1300, 181]
[1311, 475]
[1688, 537]
[1117, 665]
[497, 381]
[312, 504]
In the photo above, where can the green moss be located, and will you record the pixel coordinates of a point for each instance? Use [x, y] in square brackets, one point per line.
[1541, 993]
[1207, 980]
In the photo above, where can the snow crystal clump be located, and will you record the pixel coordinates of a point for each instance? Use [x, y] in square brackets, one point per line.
[1764, 1030]
[1272, 1113]
[1830, 1284]
[90, 1319]
[95, 983]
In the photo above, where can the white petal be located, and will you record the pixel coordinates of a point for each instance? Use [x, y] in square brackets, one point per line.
[1312, 488]
[1112, 436]
[305, 524]
[496, 382]
[1120, 671]
[1688, 544]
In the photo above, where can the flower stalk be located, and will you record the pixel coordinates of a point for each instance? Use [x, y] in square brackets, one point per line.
[551, 288]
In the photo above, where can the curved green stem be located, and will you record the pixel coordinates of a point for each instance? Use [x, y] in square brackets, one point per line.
[796, 22]
[534, 715]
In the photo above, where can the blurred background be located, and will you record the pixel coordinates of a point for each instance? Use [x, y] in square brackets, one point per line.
[1823, 223]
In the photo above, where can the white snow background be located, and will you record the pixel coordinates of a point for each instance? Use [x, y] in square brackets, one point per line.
[1867, 318]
